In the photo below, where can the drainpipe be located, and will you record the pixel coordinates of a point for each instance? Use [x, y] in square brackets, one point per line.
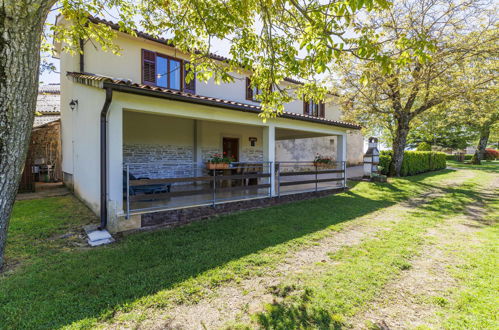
[103, 158]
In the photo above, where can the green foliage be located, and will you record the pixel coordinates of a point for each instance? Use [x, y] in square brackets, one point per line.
[384, 163]
[273, 40]
[424, 146]
[415, 162]
[467, 157]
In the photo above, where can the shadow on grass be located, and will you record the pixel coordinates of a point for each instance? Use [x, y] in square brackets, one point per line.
[70, 286]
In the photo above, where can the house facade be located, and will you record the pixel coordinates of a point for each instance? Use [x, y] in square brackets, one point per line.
[133, 130]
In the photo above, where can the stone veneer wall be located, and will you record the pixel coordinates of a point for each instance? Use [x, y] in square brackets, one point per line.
[159, 161]
[45, 147]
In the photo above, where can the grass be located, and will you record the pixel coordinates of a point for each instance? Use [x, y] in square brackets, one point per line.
[38, 226]
[328, 296]
[57, 285]
[474, 304]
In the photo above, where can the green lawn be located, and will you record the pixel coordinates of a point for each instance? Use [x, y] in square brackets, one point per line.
[54, 283]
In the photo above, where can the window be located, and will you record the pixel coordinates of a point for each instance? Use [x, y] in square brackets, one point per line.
[314, 109]
[164, 71]
[251, 92]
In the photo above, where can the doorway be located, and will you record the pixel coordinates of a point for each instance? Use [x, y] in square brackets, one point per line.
[231, 148]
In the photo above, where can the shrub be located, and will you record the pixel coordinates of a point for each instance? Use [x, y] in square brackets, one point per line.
[414, 162]
[423, 146]
[467, 157]
[384, 163]
[491, 154]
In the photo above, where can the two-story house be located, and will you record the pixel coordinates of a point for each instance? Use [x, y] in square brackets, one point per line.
[136, 138]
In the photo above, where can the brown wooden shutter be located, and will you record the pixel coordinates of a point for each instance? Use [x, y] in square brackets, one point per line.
[305, 107]
[148, 67]
[191, 86]
[322, 110]
[249, 90]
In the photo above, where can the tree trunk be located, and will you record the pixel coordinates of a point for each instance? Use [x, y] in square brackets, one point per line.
[399, 144]
[482, 144]
[21, 27]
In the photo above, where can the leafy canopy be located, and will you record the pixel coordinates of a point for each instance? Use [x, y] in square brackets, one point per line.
[272, 38]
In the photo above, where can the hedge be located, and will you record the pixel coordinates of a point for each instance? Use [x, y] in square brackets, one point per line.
[414, 162]
[455, 157]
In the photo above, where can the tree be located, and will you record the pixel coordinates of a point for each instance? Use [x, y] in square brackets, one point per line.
[424, 44]
[276, 39]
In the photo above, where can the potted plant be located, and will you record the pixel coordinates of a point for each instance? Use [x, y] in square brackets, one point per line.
[323, 161]
[219, 162]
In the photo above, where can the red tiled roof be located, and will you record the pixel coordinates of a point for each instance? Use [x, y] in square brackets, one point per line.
[129, 87]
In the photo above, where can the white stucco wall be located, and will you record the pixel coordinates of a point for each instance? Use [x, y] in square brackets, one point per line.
[127, 65]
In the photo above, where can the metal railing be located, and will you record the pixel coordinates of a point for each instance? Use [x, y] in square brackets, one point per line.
[154, 186]
[295, 177]
[149, 186]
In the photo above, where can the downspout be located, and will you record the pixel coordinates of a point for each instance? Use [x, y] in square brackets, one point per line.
[103, 158]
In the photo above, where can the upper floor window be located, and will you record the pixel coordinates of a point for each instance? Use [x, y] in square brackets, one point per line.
[314, 109]
[165, 71]
[252, 92]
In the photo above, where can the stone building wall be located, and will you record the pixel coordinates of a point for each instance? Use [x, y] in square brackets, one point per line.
[45, 147]
[306, 149]
[159, 161]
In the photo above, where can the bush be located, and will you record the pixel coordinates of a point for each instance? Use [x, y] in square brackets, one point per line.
[414, 162]
[423, 146]
[491, 154]
[467, 157]
[384, 163]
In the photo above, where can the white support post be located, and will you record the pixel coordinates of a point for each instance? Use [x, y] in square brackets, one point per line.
[341, 154]
[341, 151]
[269, 154]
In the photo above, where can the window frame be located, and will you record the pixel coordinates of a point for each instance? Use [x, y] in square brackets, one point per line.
[321, 109]
[168, 58]
[252, 89]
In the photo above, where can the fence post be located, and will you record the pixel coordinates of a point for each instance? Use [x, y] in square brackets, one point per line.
[214, 186]
[315, 164]
[344, 174]
[278, 165]
[127, 191]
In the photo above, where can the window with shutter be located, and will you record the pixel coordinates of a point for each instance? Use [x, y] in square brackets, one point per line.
[322, 110]
[148, 67]
[249, 90]
[310, 108]
[189, 87]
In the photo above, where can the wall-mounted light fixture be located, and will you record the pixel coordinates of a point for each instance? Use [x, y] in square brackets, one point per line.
[73, 104]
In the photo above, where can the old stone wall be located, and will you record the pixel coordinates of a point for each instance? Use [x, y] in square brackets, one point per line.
[45, 147]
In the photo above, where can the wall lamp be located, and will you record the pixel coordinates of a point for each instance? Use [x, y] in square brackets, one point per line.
[73, 104]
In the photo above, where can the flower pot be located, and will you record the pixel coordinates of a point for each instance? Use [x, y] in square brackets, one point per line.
[217, 166]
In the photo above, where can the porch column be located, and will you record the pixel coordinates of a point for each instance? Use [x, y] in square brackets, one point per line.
[115, 161]
[269, 153]
[341, 151]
